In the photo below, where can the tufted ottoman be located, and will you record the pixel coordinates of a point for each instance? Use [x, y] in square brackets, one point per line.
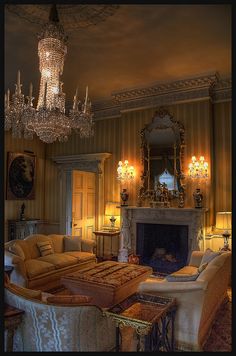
[107, 282]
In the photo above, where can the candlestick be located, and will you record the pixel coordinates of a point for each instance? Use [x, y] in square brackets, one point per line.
[86, 97]
[18, 82]
[75, 99]
[8, 98]
[30, 91]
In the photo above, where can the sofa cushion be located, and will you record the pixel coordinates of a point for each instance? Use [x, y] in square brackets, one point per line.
[72, 243]
[209, 255]
[35, 267]
[87, 245]
[69, 299]
[45, 248]
[59, 260]
[57, 242]
[25, 292]
[185, 274]
[17, 250]
[81, 256]
[31, 245]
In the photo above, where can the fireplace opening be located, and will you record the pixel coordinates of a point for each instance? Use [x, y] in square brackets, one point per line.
[162, 247]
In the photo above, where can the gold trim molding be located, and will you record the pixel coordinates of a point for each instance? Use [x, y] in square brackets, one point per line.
[210, 87]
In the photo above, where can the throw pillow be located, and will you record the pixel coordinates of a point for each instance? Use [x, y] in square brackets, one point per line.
[69, 299]
[202, 267]
[175, 278]
[45, 248]
[25, 292]
[72, 243]
[208, 256]
[185, 274]
[17, 250]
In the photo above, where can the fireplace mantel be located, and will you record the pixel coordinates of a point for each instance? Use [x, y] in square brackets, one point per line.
[192, 217]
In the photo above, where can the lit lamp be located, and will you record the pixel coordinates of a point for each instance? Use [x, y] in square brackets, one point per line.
[125, 173]
[113, 212]
[223, 222]
[198, 169]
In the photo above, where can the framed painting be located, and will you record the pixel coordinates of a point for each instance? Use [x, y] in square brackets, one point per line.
[20, 176]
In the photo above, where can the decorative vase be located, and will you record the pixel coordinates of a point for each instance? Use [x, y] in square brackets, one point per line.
[198, 197]
[124, 197]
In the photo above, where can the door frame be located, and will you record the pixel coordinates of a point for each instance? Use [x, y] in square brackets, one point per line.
[91, 162]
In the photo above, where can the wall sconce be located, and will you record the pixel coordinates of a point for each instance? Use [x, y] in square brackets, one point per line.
[198, 169]
[223, 222]
[125, 173]
[113, 212]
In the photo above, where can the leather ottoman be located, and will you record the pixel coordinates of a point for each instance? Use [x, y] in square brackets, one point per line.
[108, 283]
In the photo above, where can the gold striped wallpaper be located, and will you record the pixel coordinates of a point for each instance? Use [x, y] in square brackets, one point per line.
[33, 208]
[120, 136]
[223, 156]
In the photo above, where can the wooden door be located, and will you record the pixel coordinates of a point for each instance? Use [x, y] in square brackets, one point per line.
[83, 204]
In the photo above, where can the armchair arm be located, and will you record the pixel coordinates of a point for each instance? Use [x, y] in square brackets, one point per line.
[196, 258]
[153, 286]
[87, 245]
[19, 273]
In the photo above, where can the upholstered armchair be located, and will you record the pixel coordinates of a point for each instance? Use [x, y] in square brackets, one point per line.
[49, 326]
[197, 300]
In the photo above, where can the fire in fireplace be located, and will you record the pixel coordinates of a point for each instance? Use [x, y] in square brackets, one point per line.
[163, 247]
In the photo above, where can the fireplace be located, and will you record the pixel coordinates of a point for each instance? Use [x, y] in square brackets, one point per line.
[163, 247]
[186, 224]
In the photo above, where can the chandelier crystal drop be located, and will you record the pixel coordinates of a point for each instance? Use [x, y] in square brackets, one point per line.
[49, 121]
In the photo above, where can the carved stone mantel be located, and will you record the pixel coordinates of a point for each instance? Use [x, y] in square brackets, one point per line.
[192, 217]
[91, 162]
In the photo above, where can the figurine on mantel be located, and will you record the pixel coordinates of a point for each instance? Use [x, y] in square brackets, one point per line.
[22, 212]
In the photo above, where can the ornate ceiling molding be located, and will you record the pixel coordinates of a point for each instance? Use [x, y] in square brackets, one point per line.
[199, 88]
[72, 16]
[222, 91]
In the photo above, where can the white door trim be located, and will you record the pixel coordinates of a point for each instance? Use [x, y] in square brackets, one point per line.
[91, 162]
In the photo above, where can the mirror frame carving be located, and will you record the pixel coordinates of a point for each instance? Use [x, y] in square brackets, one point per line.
[159, 122]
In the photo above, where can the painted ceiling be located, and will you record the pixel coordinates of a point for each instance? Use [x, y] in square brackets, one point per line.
[134, 45]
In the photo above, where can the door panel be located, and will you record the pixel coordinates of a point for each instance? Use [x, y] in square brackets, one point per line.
[83, 204]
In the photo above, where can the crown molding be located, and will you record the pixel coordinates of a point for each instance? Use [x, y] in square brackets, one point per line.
[210, 87]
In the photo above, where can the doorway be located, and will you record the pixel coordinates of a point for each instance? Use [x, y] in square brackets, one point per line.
[83, 204]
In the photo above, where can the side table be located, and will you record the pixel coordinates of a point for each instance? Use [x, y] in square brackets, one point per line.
[152, 318]
[100, 236]
[12, 319]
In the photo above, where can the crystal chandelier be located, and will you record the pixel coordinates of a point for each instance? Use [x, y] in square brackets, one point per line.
[48, 120]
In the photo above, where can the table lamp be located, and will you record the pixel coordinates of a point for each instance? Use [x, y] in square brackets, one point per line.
[223, 222]
[113, 212]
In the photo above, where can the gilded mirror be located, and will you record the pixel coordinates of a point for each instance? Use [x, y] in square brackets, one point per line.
[162, 153]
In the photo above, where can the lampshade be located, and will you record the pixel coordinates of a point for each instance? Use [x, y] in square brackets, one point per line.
[111, 209]
[223, 220]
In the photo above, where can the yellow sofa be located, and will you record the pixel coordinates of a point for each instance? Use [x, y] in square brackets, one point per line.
[197, 300]
[58, 326]
[32, 270]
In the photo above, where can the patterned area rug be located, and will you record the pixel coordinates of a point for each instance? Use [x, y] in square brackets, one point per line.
[220, 338]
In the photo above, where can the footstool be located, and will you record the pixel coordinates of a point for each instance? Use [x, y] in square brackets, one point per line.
[108, 283]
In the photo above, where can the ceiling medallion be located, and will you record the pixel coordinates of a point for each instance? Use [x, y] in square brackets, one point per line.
[72, 17]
